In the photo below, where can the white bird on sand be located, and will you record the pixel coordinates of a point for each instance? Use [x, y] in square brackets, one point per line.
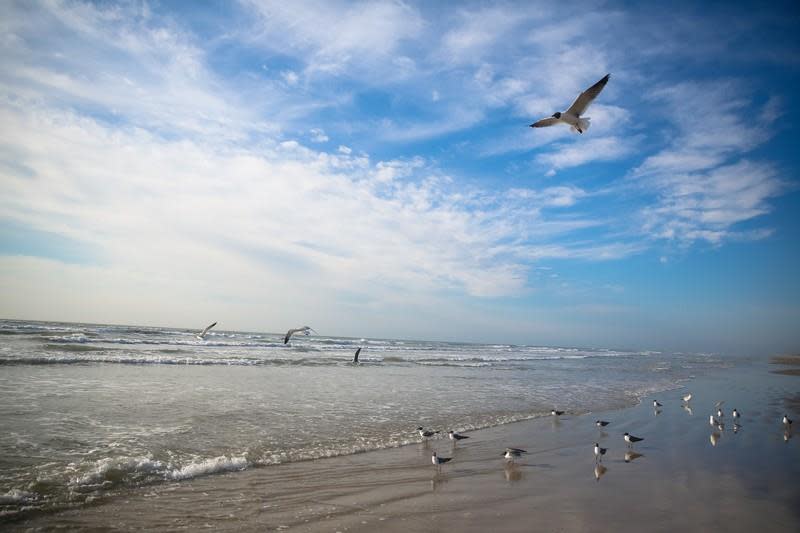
[572, 116]
[436, 460]
[598, 451]
[786, 421]
[425, 433]
[556, 413]
[712, 421]
[601, 423]
[630, 439]
[202, 334]
[656, 404]
[735, 414]
[456, 436]
[720, 414]
[687, 397]
[304, 330]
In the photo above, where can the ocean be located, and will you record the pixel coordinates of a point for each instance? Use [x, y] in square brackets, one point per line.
[90, 411]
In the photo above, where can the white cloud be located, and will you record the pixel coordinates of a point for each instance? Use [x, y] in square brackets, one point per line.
[332, 35]
[318, 135]
[584, 151]
[704, 187]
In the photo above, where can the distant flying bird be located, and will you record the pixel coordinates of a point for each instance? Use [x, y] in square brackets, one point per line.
[355, 357]
[572, 116]
[456, 436]
[304, 330]
[602, 423]
[202, 334]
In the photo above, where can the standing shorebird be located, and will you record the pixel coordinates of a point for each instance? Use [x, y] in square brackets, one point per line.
[656, 404]
[556, 413]
[426, 433]
[599, 452]
[735, 414]
[687, 397]
[786, 421]
[355, 357]
[456, 436]
[572, 116]
[511, 453]
[601, 423]
[439, 461]
[630, 439]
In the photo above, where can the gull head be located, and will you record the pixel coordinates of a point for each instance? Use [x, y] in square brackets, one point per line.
[557, 114]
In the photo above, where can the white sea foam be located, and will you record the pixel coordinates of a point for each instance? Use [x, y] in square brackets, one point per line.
[208, 466]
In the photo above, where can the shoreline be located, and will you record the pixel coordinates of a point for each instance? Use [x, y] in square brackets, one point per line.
[556, 485]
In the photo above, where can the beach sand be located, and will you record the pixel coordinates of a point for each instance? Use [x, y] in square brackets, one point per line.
[688, 477]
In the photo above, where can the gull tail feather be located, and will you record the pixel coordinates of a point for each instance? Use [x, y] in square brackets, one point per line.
[583, 125]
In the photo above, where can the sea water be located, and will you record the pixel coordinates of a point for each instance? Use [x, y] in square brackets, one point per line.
[91, 411]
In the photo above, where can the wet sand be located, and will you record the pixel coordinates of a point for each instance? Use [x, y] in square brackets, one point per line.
[685, 476]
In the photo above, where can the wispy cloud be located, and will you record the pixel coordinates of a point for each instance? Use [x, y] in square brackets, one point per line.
[704, 186]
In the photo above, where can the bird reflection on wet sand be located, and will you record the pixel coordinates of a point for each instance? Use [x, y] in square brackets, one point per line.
[438, 480]
[512, 472]
[632, 456]
[687, 409]
[599, 470]
[714, 438]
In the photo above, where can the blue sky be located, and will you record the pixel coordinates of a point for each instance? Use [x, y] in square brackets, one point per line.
[366, 168]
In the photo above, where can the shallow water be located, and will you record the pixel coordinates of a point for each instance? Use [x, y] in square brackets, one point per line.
[90, 411]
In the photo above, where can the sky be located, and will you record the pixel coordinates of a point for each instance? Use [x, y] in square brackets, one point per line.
[367, 168]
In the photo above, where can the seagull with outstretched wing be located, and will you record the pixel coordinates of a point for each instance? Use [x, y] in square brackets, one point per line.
[304, 330]
[202, 334]
[572, 116]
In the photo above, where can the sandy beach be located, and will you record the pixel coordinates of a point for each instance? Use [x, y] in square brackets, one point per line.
[685, 475]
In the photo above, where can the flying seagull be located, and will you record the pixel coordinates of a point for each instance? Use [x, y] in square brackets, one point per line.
[304, 330]
[572, 116]
[202, 334]
[355, 357]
